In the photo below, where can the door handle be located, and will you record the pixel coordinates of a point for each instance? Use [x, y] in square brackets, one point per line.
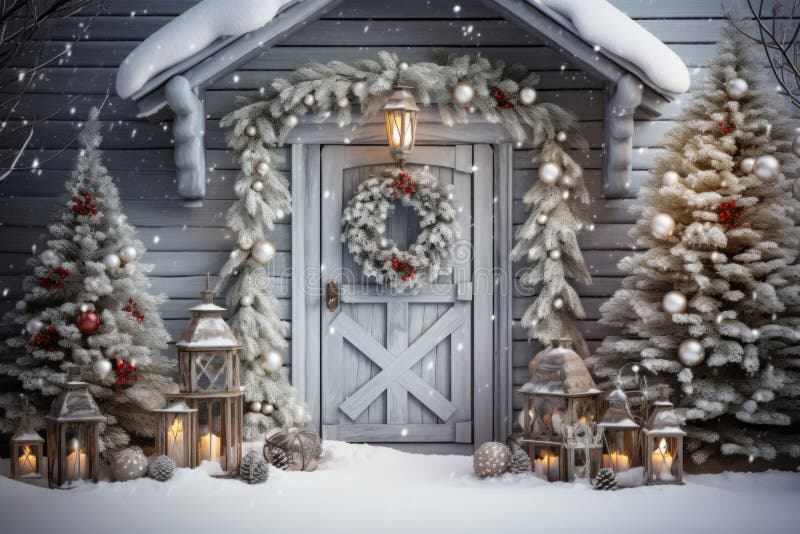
[332, 295]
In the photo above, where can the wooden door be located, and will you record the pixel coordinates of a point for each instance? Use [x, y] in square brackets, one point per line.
[398, 367]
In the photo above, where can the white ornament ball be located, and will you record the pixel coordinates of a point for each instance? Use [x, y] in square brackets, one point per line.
[662, 225]
[246, 301]
[291, 120]
[299, 416]
[527, 95]
[33, 326]
[549, 173]
[796, 146]
[796, 189]
[670, 178]
[359, 89]
[491, 459]
[463, 93]
[112, 261]
[343, 102]
[267, 409]
[263, 252]
[541, 219]
[674, 302]
[49, 257]
[255, 406]
[561, 136]
[262, 168]
[251, 130]
[766, 168]
[736, 88]
[257, 186]
[691, 353]
[402, 66]
[272, 361]
[747, 165]
[101, 367]
[558, 303]
[309, 99]
[128, 253]
[129, 464]
[554, 254]
[21, 306]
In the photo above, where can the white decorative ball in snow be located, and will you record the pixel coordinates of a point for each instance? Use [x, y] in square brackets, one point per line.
[246, 301]
[291, 120]
[527, 95]
[674, 302]
[491, 459]
[463, 93]
[263, 252]
[558, 303]
[267, 408]
[255, 406]
[129, 464]
[736, 88]
[796, 146]
[549, 173]
[796, 189]
[402, 66]
[33, 326]
[101, 367]
[21, 306]
[554, 254]
[128, 253]
[359, 89]
[262, 168]
[561, 136]
[670, 178]
[343, 102]
[257, 186]
[747, 165]
[662, 225]
[691, 353]
[49, 257]
[309, 99]
[272, 361]
[541, 219]
[251, 130]
[767, 168]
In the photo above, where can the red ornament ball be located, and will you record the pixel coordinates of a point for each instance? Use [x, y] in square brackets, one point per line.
[88, 322]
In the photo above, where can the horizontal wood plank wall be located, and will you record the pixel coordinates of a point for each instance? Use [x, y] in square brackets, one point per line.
[184, 243]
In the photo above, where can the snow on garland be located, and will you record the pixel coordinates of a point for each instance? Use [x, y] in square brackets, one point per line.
[371, 206]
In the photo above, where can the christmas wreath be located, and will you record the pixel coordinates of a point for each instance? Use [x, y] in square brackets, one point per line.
[365, 219]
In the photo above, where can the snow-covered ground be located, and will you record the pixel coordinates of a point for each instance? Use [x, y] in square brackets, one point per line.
[360, 488]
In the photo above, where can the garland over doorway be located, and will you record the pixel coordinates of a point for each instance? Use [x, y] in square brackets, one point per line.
[460, 86]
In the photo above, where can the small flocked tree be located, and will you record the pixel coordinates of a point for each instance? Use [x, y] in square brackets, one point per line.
[708, 305]
[87, 304]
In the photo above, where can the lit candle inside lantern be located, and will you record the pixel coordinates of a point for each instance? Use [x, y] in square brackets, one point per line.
[547, 466]
[617, 461]
[175, 442]
[27, 461]
[661, 461]
[210, 445]
[75, 466]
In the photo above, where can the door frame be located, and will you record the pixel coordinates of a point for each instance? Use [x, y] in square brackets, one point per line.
[492, 400]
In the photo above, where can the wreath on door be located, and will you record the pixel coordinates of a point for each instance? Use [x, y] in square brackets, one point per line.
[379, 257]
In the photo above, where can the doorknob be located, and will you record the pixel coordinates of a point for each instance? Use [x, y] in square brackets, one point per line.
[332, 295]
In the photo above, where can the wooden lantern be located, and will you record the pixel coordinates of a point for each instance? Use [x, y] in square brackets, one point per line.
[621, 447]
[208, 370]
[662, 449]
[177, 434]
[400, 115]
[559, 396]
[73, 435]
[26, 446]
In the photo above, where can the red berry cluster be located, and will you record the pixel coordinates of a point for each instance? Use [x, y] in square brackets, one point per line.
[403, 267]
[729, 214]
[84, 204]
[53, 278]
[501, 98]
[133, 308]
[46, 339]
[404, 184]
[126, 374]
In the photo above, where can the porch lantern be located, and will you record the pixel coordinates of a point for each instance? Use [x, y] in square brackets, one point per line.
[621, 448]
[208, 377]
[400, 113]
[26, 445]
[663, 446]
[177, 434]
[559, 395]
[73, 434]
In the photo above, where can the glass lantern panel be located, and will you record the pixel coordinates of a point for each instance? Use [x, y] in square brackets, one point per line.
[210, 421]
[546, 462]
[177, 436]
[77, 453]
[548, 416]
[620, 450]
[585, 462]
[210, 372]
[25, 456]
[583, 410]
[663, 459]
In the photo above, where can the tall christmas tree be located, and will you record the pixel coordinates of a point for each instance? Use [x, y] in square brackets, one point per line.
[87, 305]
[707, 306]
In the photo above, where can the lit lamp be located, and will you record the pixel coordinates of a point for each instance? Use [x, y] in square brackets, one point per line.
[663, 446]
[559, 395]
[208, 377]
[177, 434]
[26, 445]
[400, 113]
[620, 434]
[73, 434]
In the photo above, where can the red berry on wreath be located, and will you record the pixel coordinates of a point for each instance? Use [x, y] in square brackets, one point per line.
[88, 322]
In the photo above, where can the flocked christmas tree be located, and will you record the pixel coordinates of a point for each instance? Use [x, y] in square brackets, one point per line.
[87, 305]
[708, 305]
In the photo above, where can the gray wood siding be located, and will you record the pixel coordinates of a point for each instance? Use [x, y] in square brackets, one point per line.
[185, 242]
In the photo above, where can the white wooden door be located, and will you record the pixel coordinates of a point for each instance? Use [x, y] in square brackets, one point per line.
[398, 367]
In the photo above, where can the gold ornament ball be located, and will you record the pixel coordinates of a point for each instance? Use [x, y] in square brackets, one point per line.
[343, 102]
[549, 173]
[267, 409]
[561, 136]
[255, 406]
[402, 66]
[736, 88]
[747, 165]
[541, 219]
[291, 120]
[272, 361]
[558, 303]
[674, 302]
[251, 131]
[463, 93]
[309, 100]
[128, 253]
[262, 168]
[527, 95]
[554, 254]
[257, 186]
[662, 225]
[112, 261]
[263, 252]
[796, 146]
[670, 178]
[691, 352]
[767, 168]
[246, 301]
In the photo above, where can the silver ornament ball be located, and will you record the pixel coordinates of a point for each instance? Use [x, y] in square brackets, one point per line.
[796, 146]
[251, 131]
[402, 66]
[747, 165]
[112, 261]
[255, 406]
[554, 254]
[343, 102]
[263, 252]
[257, 186]
[83, 308]
[527, 95]
[246, 301]
[291, 120]
[463, 93]
[670, 178]
[558, 303]
[267, 408]
[359, 89]
[49, 257]
[33, 326]
[736, 88]
[561, 136]
[767, 168]
[128, 253]
[309, 99]
[262, 168]
[271, 361]
[541, 219]
[299, 416]
[662, 225]
[101, 367]
[674, 302]
[691, 352]
[549, 173]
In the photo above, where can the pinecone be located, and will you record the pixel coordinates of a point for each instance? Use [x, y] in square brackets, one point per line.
[162, 468]
[520, 461]
[253, 469]
[606, 479]
[280, 458]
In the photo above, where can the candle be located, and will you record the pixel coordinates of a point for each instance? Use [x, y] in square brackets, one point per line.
[617, 461]
[210, 447]
[547, 467]
[27, 461]
[661, 462]
[76, 467]
[175, 442]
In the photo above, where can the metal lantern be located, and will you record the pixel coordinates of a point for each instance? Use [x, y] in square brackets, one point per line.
[26, 446]
[621, 449]
[73, 434]
[662, 448]
[208, 371]
[559, 399]
[400, 113]
[177, 434]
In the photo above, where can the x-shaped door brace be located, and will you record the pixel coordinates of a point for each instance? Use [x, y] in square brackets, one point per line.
[396, 367]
